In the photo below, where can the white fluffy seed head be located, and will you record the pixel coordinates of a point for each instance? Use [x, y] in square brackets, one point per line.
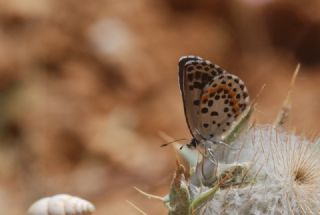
[61, 204]
[286, 169]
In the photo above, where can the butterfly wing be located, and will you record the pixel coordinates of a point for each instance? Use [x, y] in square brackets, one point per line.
[194, 74]
[222, 101]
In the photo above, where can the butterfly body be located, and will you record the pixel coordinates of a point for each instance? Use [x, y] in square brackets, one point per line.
[213, 99]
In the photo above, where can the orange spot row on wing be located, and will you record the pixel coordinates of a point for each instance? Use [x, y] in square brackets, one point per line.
[235, 106]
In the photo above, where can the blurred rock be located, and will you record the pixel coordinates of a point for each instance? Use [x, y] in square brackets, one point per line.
[112, 38]
[115, 137]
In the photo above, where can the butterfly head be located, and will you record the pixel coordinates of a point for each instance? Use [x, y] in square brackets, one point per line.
[193, 143]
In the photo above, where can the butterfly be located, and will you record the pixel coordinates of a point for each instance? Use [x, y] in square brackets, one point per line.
[212, 99]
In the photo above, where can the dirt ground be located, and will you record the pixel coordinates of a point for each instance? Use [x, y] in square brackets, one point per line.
[87, 86]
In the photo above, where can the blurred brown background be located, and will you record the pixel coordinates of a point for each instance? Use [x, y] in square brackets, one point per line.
[86, 86]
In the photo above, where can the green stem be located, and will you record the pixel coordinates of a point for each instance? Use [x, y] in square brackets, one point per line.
[204, 197]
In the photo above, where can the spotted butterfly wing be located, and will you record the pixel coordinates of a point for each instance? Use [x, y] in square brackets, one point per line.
[212, 98]
[222, 101]
[194, 74]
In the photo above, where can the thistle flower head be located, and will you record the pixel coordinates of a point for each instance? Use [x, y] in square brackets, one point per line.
[286, 172]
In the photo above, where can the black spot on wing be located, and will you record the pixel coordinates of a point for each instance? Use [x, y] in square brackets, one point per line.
[197, 85]
[204, 110]
[197, 75]
[214, 113]
[190, 77]
[206, 125]
[196, 102]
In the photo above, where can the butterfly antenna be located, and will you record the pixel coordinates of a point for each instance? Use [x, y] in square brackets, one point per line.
[166, 144]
